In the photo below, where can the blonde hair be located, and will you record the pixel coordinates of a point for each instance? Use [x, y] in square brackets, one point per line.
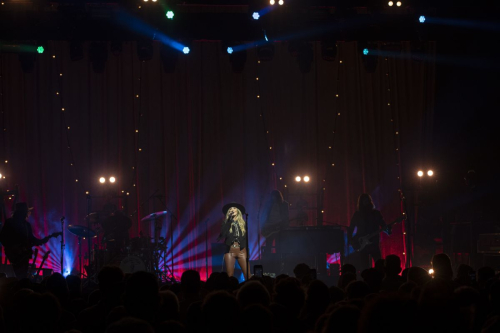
[239, 219]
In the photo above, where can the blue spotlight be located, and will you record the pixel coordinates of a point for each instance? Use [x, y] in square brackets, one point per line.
[186, 50]
[365, 51]
[421, 19]
[230, 50]
[256, 15]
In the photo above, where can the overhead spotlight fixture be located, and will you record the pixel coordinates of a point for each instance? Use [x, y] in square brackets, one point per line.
[112, 179]
[230, 50]
[272, 2]
[420, 173]
[399, 3]
[186, 50]
[170, 15]
[154, 0]
[298, 179]
[306, 179]
[281, 2]
[40, 49]
[421, 19]
[430, 173]
[0, 176]
[431, 271]
[256, 15]
[390, 3]
[366, 51]
[102, 180]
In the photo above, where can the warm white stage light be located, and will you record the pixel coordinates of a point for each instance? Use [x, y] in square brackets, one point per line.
[112, 179]
[431, 271]
[390, 3]
[272, 2]
[398, 3]
[102, 180]
[420, 173]
[298, 179]
[281, 2]
[306, 179]
[430, 173]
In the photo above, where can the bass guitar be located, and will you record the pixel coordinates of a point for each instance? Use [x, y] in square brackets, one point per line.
[360, 242]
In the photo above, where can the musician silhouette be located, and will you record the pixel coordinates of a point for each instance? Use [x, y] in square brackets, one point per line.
[18, 239]
[366, 221]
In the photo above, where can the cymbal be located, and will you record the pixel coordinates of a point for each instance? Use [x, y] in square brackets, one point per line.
[154, 216]
[81, 231]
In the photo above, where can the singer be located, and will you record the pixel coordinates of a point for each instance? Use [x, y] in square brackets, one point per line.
[233, 230]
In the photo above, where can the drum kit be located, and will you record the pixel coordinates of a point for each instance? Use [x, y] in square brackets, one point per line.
[111, 245]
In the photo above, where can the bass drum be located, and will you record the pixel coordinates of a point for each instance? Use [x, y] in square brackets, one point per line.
[132, 264]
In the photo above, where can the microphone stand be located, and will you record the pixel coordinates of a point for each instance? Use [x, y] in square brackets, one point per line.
[206, 248]
[172, 215]
[248, 249]
[62, 245]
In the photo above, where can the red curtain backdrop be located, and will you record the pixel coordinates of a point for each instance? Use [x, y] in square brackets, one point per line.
[197, 139]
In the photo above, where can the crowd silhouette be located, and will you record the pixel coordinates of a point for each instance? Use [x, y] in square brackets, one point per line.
[380, 299]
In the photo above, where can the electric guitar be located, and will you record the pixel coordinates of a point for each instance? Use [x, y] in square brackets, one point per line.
[360, 242]
[17, 252]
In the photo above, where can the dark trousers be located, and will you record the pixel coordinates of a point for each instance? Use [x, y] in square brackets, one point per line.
[21, 269]
[369, 253]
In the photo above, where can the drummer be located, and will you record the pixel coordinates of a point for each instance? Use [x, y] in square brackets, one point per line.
[116, 225]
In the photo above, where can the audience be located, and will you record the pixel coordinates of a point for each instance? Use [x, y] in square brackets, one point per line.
[383, 301]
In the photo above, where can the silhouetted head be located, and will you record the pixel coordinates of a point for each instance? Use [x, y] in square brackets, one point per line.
[220, 307]
[392, 265]
[190, 282]
[253, 292]
[365, 203]
[130, 325]
[301, 271]
[348, 268]
[357, 289]
[108, 277]
[289, 293]
[441, 264]
[418, 275]
[345, 279]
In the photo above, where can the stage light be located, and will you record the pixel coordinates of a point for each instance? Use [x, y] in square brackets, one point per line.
[0, 176]
[398, 3]
[430, 173]
[170, 15]
[40, 49]
[154, 0]
[390, 3]
[281, 2]
[366, 51]
[431, 271]
[272, 2]
[306, 179]
[255, 15]
[298, 179]
[421, 19]
[230, 50]
[420, 173]
[112, 179]
[102, 180]
[186, 50]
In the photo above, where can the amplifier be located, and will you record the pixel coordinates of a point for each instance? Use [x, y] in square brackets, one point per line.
[488, 243]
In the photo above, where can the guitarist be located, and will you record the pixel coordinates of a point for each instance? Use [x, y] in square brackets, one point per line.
[18, 239]
[367, 220]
